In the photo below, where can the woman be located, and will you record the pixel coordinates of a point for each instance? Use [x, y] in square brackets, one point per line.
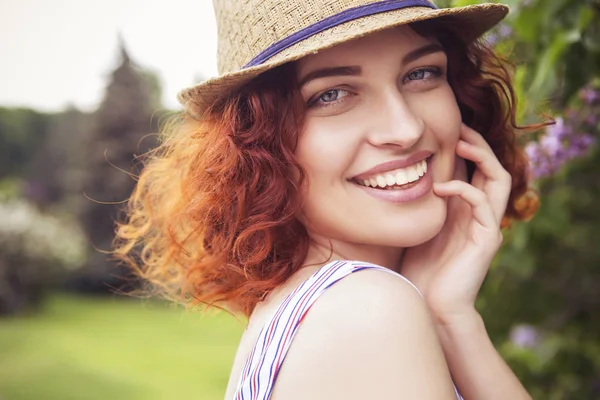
[335, 142]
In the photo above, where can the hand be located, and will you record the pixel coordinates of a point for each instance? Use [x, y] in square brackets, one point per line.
[450, 268]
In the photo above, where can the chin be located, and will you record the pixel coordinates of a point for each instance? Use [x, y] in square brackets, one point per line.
[414, 228]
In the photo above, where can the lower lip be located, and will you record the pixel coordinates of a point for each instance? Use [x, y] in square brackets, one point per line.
[419, 189]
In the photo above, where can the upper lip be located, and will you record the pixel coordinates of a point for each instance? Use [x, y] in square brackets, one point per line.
[393, 165]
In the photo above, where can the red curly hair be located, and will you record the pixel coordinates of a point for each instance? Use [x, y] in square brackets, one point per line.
[212, 219]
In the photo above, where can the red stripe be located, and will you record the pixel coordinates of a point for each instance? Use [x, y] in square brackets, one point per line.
[310, 290]
[304, 300]
[269, 336]
[268, 339]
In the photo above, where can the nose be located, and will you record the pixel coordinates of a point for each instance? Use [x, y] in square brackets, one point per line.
[394, 123]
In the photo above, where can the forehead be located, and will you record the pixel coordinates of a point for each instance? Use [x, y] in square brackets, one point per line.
[399, 41]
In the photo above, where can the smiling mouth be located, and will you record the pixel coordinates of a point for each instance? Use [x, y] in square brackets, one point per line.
[401, 178]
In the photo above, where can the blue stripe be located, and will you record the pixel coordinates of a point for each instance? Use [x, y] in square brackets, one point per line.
[316, 290]
[337, 19]
[264, 346]
[323, 279]
[260, 357]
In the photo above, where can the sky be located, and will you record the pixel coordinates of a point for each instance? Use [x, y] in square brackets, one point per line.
[59, 53]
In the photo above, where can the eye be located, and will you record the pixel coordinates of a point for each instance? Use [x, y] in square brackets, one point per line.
[423, 74]
[328, 97]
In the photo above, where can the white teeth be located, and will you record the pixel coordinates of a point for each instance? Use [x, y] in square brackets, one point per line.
[420, 168]
[413, 175]
[401, 176]
[390, 180]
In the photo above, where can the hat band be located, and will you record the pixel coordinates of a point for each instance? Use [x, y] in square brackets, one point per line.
[334, 20]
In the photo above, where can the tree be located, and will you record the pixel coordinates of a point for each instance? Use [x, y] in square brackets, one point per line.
[120, 132]
[22, 131]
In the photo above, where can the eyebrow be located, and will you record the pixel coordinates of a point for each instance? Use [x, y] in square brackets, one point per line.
[332, 71]
[422, 52]
[356, 70]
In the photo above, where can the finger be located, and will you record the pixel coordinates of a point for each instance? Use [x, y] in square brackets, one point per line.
[485, 159]
[496, 181]
[470, 135]
[474, 140]
[489, 177]
[477, 199]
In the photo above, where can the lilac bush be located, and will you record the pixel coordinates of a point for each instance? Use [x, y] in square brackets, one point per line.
[570, 137]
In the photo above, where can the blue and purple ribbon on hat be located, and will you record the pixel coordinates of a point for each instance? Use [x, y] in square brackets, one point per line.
[334, 20]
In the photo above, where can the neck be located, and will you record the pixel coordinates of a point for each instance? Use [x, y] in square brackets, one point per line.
[322, 250]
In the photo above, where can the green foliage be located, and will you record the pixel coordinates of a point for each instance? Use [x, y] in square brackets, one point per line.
[556, 45]
[545, 276]
[21, 133]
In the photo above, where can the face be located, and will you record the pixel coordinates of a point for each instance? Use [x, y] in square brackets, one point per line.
[381, 126]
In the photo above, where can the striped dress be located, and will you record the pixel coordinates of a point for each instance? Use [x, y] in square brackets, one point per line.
[260, 371]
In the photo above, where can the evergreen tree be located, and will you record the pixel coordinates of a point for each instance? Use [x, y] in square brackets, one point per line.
[121, 129]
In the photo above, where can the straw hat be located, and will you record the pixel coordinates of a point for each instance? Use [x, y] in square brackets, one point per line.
[257, 35]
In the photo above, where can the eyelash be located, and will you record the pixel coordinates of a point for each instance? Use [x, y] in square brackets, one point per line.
[435, 72]
[314, 102]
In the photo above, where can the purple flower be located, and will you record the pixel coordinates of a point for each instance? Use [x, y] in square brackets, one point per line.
[525, 336]
[559, 130]
[587, 141]
[538, 160]
[589, 95]
[502, 32]
[571, 135]
[592, 120]
[551, 144]
[559, 145]
[580, 144]
[505, 30]
[532, 149]
[491, 39]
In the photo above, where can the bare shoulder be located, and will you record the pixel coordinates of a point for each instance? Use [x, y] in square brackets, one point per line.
[367, 336]
[363, 300]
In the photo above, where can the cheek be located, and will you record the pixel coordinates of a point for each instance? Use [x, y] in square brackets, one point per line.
[325, 150]
[442, 116]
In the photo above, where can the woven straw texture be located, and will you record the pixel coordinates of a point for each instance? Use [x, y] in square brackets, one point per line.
[248, 27]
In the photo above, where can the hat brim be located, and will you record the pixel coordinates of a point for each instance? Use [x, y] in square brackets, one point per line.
[474, 20]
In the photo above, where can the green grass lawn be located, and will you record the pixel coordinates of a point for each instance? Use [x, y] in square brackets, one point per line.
[109, 348]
